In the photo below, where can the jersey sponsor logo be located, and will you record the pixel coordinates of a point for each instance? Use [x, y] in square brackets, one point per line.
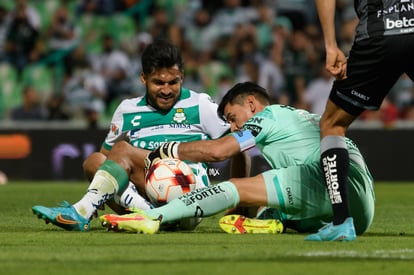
[157, 127]
[256, 120]
[201, 194]
[180, 126]
[403, 6]
[213, 172]
[148, 145]
[254, 129]
[135, 120]
[399, 23]
[331, 176]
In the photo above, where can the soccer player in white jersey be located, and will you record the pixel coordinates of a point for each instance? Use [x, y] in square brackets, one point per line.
[294, 188]
[167, 112]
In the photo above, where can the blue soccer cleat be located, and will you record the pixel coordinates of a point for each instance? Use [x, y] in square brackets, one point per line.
[342, 232]
[64, 216]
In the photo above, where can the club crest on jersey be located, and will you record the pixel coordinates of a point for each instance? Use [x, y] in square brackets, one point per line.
[179, 116]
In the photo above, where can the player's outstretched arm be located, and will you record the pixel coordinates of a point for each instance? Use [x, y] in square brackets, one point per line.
[196, 151]
[209, 150]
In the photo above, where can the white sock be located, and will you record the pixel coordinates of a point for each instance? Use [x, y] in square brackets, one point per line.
[102, 188]
[132, 199]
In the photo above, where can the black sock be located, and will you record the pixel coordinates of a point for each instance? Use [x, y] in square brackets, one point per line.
[335, 164]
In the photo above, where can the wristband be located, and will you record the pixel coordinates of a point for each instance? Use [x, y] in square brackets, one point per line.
[245, 139]
[174, 150]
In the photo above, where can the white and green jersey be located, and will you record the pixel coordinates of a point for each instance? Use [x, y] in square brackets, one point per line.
[193, 117]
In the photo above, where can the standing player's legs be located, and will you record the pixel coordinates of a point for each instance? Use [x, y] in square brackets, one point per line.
[334, 158]
[368, 80]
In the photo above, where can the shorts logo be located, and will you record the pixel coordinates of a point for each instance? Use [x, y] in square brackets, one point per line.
[359, 95]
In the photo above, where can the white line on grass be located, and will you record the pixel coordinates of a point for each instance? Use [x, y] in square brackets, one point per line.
[402, 254]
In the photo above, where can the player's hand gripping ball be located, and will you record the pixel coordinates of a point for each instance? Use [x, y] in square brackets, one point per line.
[165, 150]
[168, 179]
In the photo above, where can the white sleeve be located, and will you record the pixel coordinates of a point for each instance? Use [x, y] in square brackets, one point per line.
[212, 125]
[115, 132]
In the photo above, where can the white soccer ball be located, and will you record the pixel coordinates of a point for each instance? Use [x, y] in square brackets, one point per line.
[168, 179]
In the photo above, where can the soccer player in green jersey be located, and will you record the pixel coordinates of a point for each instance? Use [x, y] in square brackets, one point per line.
[294, 188]
[167, 112]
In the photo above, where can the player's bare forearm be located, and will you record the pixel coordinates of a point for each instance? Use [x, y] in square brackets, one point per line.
[209, 150]
[335, 58]
[326, 12]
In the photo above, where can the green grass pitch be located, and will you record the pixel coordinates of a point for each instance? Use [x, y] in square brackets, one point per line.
[29, 246]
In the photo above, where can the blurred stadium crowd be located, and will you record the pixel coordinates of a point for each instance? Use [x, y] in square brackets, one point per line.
[76, 59]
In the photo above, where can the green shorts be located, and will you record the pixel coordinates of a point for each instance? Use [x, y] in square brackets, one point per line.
[300, 198]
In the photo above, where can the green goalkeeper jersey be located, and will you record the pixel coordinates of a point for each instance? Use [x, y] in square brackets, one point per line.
[287, 136]
[289, 140]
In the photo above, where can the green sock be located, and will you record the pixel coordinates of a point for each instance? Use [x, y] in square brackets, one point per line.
[118, 173]
[110, 178]
[202, 202]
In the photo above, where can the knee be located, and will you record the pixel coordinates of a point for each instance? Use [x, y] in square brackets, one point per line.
[91, 164]
[120, 146]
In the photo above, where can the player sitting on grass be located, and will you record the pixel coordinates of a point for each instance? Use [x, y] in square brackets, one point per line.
[167, 112]
[294, 188]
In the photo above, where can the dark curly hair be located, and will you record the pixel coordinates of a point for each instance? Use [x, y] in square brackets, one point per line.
[238, 93]
[161, 54]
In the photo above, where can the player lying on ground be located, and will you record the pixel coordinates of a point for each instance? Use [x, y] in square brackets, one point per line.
[294, 188]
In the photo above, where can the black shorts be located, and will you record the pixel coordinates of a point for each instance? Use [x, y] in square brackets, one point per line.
[374, 66]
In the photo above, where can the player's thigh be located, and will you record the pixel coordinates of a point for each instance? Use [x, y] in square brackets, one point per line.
[299, 191]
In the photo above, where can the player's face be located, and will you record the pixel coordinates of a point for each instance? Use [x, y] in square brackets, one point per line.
[236, 115]
[163, 87]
